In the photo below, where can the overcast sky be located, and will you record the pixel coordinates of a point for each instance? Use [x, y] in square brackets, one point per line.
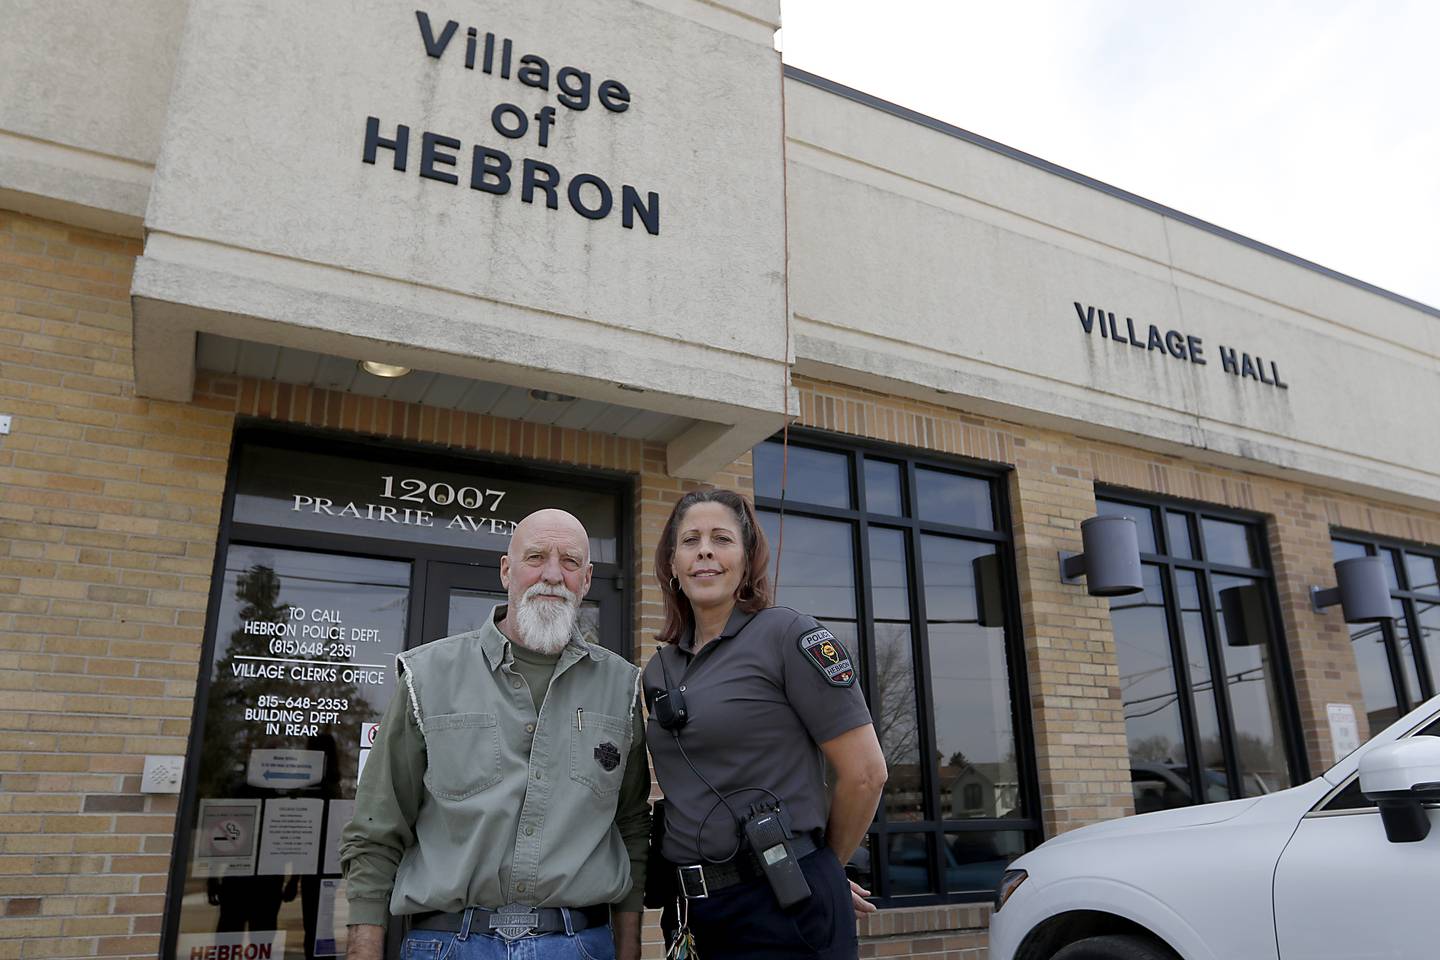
[1310, 125]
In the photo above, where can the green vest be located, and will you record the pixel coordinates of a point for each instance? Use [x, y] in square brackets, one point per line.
[517, 808]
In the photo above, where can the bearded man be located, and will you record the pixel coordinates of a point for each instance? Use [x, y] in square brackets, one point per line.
[504, 805]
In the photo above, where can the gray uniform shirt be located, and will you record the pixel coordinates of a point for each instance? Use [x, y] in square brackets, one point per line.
[762, 697]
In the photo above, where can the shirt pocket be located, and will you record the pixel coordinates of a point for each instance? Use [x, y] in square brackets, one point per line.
[598, 751]
[464, 754]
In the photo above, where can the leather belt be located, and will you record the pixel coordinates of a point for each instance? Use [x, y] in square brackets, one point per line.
[699, 880]
[514, 920]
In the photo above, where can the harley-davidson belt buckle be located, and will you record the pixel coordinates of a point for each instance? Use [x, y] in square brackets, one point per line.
[514, 920]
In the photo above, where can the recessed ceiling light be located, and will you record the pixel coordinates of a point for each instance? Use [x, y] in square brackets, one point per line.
[383, 369]
[550, 396]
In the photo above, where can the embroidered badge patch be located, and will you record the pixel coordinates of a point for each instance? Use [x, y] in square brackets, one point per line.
[607, 755]
[829, 657]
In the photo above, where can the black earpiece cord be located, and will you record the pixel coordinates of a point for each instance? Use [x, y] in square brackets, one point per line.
[720, 798]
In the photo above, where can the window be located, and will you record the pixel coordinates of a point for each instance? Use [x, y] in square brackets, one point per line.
[907, 560]
[1399, 662]
[1207, 611]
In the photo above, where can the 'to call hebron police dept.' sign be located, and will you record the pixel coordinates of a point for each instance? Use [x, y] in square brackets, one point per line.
[495, 171]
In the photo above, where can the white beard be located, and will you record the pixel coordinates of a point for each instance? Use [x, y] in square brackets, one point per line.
[545, 626]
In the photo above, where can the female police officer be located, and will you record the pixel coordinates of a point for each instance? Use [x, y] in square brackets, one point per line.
[747, 701]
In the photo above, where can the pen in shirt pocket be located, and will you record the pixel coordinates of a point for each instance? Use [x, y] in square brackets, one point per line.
[579, 718]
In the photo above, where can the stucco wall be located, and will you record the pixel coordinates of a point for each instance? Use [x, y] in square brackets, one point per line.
[82, 103]
[928, 265]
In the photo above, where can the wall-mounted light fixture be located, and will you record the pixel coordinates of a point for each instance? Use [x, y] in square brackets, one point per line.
[389, 370]
[1245, 611]
[989, 591]
[1111, 561]
[1363, 592]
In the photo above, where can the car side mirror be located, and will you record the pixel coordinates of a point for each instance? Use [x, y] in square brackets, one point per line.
[1401, 778]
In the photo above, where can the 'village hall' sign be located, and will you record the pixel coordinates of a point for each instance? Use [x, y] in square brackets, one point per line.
[1174, 344]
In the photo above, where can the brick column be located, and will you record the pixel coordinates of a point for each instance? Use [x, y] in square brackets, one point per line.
[1319, 647]
[1075, 705]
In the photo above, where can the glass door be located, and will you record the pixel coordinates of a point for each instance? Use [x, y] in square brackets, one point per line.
[301, 671]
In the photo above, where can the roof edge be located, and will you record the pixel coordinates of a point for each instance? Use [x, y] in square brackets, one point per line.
[959, 133]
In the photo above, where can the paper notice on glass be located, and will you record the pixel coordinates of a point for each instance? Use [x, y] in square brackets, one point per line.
[285, 769]
[325, 942]
[1344, 729]
[225, 837]
[251, 945]
[290, 840]
[339, 814]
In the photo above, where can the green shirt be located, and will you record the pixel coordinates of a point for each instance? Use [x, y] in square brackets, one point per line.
[474, 797]
[536, 669]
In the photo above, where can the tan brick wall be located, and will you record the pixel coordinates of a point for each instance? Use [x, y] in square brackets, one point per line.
[108, 510]
[1081, 758]
[927, 933]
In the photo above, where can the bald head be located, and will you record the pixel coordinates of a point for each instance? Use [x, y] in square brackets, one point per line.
[550, 525]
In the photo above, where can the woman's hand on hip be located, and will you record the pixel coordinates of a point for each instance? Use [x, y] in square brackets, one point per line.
[858, 901]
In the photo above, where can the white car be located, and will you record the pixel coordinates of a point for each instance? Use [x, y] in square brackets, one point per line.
[1344, 867]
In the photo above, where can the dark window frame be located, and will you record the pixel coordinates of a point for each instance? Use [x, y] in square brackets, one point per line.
[996, 476]
[254, 431]
[1425, 672]
[1287, 702]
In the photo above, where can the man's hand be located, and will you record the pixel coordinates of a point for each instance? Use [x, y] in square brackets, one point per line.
[367, 942]
[624, 928]
[857, 901]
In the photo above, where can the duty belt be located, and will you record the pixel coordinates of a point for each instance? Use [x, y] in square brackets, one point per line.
[699, 880]
[515, 920]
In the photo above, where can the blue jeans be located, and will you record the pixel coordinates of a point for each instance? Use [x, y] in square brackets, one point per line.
[593, 943]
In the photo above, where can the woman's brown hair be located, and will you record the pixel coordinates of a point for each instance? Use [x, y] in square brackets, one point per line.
[754, 593]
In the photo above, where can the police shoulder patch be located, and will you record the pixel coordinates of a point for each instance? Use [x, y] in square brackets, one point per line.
[827, 655]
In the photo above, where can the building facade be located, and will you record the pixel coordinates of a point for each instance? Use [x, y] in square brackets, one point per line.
[622, 253]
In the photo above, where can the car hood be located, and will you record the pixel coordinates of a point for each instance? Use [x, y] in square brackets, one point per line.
[1179, 818]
